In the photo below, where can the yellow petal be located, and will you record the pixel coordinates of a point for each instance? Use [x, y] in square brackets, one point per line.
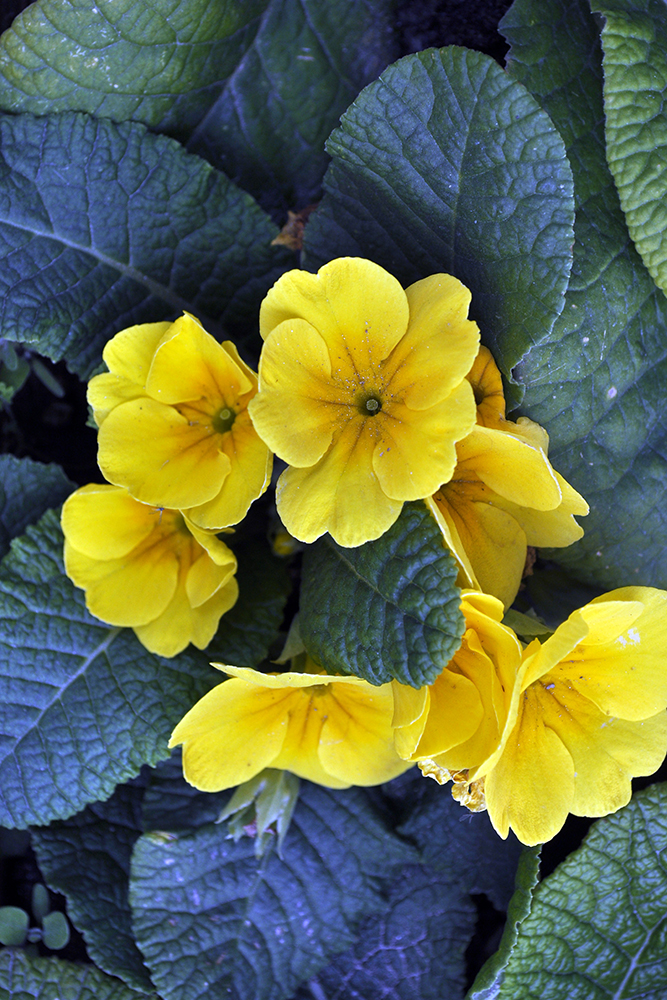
[455, 712]
[161, 459]
[181, 624]
[190, 364]
[439, 346]
[107, 391]
[452, 541]
[359, 309]
[232, 733]
[291, 678]
[411, 706]
[300, 752]
[105, 522]
[416, 451]
[511, 468]
[487, 385]
[129, 354]
[205, 578]
[341, 494]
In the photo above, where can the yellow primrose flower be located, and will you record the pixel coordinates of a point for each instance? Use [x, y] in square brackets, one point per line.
[362, 391]
[587, 715]
[458, 721]
[335, 731]
[174, 423]
[503, 494]
[147, 568]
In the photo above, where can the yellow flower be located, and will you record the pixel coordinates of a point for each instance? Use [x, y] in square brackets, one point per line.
[587, 715]
[504, 494]
[335, 731]
[458, 721]
[147, 568]
[362, 391]
[174, 423]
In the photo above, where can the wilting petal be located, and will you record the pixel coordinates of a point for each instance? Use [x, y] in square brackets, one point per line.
[182, 467]
[341, 494]
[232, 734]
[129, 354]
[104, 522]
[511, 468]
[360, 309]
[439, 347]
[416, 451]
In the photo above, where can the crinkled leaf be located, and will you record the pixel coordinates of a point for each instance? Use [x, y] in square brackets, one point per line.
[160, 62]
[171, 804]
[598, 382]
[103, 226]
[387, 609]
[25, 978]
[597, 925]
[307, 63]
[82, 706]
[212, 920]
[27, 489]
[446, 164]
[87, 858]
[248, 630]
[634, 42]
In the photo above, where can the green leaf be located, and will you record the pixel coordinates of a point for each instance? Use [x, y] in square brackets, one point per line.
[170, 804]
[490, 976]
[103, 226]
[634, 42]
[82, 706]
[247, 632]
[27, 490]
[388, 609]
[13, 926]
[597, 383]
[56, 931]
[25, 978]
[87, 859]
[307, 63]
[161, 62]
[446, 164]
[212, 920]
[597, 925]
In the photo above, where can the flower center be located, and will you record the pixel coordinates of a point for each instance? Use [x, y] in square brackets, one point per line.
[369, 404]
[223, 420]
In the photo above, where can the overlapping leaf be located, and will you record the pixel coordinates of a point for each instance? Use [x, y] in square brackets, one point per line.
[388, 609]
[160, 62]
[212, 920]
[597, 383]
[634, 42]
[597, 925]
[103, 226]
[307, 63]
[82, 706]
[25, 978]
[27, 489]
[87, 858]
[446, 164]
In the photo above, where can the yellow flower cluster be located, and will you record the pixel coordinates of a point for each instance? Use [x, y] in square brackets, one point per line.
[372, 395]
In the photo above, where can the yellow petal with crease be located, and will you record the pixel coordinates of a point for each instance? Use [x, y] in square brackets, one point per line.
[455, 712]
[129, 354]
[511, 468]
[104, 522]
[181, 624]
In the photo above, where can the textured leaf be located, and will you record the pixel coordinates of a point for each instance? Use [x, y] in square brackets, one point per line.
[248, 630]
[170, 804]
[634, 42]
[87, 858]
[161, 62]
[446, 164]
[597, 383]
[26, 978]
[597, 925]
[27, 489]
[103, 226]
[389, 608]
[213, 921]
[307, 63]
[82, 706]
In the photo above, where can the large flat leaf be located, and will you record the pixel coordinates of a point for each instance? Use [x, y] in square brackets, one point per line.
[213, 921]
[87, 858]
[82, 706]
[27, 489]
[387, 609]
[634, 42]
[160, 62]
[597, 925]
[25, 978]
[307, 63]
[446, 164]
[597, 383]
[103, 226]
